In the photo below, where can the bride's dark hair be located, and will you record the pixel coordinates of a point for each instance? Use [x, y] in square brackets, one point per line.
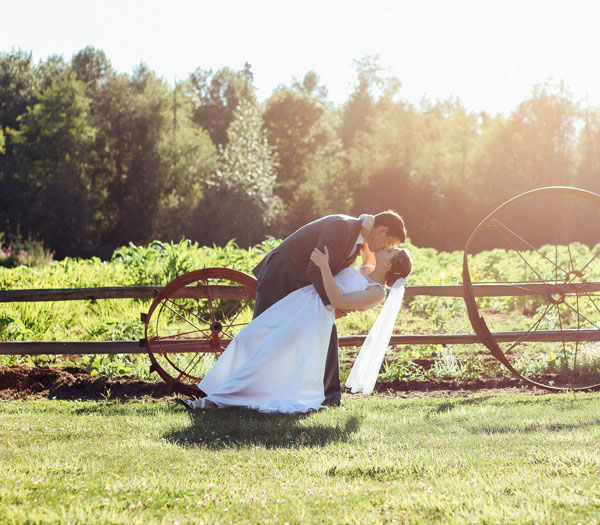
[401, 267]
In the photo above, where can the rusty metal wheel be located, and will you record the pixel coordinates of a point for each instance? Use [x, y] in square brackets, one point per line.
[192, 320]
[531, 278]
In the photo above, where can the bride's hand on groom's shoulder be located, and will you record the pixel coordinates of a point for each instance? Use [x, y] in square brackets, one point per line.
[319, 258]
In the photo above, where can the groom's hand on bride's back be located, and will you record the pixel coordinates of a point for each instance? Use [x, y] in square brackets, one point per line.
[342, 313]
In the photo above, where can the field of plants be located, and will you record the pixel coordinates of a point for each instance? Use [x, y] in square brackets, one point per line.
[159, 263]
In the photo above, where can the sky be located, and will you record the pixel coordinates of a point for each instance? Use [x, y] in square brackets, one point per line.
[488, 53]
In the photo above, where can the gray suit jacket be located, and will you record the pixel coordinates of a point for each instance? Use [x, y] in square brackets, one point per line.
[288, 267]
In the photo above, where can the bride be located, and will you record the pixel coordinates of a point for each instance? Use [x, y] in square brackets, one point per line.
[276, 362]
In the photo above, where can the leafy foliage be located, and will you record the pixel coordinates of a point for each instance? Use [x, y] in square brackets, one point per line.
[216, 96]
[160, 262]
[93, 159]
[240, 200]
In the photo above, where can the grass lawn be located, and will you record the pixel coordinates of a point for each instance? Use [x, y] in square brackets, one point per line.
[507, 459]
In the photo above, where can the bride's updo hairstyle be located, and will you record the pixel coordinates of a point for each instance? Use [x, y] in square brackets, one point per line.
[401, 267]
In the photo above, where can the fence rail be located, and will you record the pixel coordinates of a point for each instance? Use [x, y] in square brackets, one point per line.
[136, 347]
[235, 292]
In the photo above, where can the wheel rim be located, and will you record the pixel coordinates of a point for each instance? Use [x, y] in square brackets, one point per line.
[550, 239]
[193, 319]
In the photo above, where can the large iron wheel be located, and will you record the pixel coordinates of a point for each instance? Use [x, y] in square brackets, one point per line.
[192, 320]
[542, 323]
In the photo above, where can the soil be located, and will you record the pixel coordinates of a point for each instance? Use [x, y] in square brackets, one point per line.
[74, 383]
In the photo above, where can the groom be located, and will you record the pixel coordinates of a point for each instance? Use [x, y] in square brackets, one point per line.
[288, 267]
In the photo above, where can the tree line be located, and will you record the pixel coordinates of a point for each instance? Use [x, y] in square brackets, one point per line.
[92, 159]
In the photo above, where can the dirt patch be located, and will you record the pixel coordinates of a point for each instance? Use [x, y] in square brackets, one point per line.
[491, 386]
[74, 383]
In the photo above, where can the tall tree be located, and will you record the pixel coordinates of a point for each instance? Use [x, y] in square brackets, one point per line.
[239, 200]
[191, 158]
[92, 67]
[380, 161]
[18, 83]
[136, 167]
[53, 142]
[372, 86]
[534, 147]
[311, 162]
[588, 172]
[216, 96]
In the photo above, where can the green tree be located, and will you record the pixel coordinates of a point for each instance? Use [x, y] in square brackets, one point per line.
[239, 200]
[144, 156]
[372, 86]
[18, 83]
[310, 85]
[311, 160]
[215, 97]
[534, 147]
[53, 143]
[191, 158]
[588, 146]
[380, 160]
[91, 65]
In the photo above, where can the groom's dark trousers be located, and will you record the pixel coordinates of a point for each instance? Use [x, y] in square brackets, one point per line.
[288, 268]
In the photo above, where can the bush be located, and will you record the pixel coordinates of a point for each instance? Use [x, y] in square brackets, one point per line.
[20, 252]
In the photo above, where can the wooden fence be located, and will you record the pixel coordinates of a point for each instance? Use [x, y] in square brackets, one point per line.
[231, 292]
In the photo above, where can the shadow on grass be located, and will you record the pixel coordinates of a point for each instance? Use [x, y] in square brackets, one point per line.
[243, 428]
[533, 427]
[558, 399]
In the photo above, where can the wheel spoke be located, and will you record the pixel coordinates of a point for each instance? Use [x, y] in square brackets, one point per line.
[233, 308]
[236, 324]
[173, 336]
[556, 261]
[589, 262]
[238, 313]
[532, 328]
[521, 256]
[576, 345]
[187, 310]
[564, 346]
[210, 305]
[582, 316]
[181, 317]
[592, 300]
[531, 247]
[181, 344]
[185, 372]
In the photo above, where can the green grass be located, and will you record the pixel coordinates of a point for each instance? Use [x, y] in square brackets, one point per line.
[517, 459]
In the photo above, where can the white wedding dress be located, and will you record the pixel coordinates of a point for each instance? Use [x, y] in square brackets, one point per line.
[277, 362]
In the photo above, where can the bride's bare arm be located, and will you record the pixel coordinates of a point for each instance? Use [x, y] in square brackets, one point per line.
[362, 300]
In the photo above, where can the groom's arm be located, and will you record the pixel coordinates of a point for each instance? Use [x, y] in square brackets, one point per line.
[333, 237]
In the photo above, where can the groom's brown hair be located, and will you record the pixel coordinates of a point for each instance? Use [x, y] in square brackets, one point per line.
[394, 223]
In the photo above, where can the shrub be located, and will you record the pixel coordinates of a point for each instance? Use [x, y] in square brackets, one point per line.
[23, 252]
